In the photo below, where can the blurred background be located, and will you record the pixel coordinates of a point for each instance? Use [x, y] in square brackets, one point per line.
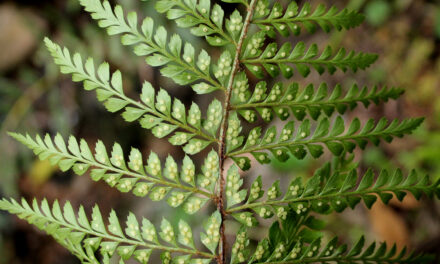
[35, 98]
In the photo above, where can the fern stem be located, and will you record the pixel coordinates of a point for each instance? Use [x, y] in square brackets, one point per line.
[224, 127]
[318, 197]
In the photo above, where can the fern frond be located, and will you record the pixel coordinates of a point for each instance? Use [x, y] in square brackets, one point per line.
[182, 189]
[181, 68]
[279, 99]
[156, 111]
[276, 19]
[233, 138]
[329, 191]
[244, 2]
[295, 233]
[284, 234]
[333, 252]
[302, 141]
[274, 60]
[240, 251]
[136, 241]
[223, 68]
[203, 20]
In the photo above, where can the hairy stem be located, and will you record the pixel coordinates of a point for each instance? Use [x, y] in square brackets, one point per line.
[224, 127]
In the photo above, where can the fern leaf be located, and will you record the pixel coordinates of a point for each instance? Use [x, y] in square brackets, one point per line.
[296, 234]
[203, 20]
[284, 235]
[233, 138]
[240, 253]
[293, 18]
[133, 176]
[234, 25]
[333, 252]
[274, 60]
[223, 68]
[303, 141]
[137, 241]
[211, 237]
[281, 101]
[244, 2]
[181, 68]
[155, 111]
[330, 191]
[233, 193]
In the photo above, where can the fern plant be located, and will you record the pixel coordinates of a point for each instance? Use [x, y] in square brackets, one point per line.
[312, 125]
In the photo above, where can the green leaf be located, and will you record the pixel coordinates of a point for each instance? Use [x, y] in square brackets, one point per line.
[158, 193]
[97, 223]
[196, 15]
[185, 236]
[337, 144]
[246, 219]
[210, 171]
[213, 118]
[83, 239]
[233, 138]
[155, 112]
[132, 178]
[132, 229]
[115, 104]
[193, 204]
[167, 232]
[152, 43]
[177, 198]
[234, 24]
[117, 82]
[143, 255]
[211, 226]
[305, 59]
[239, 251]
[149, 231]
[194, 116]
[188, 171]
[195, 145]
[335, 190]
[114, 227]
[316, 252]
[256, 191]
[233, 184]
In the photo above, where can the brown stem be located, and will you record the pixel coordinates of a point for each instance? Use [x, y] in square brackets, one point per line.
[221, 259]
